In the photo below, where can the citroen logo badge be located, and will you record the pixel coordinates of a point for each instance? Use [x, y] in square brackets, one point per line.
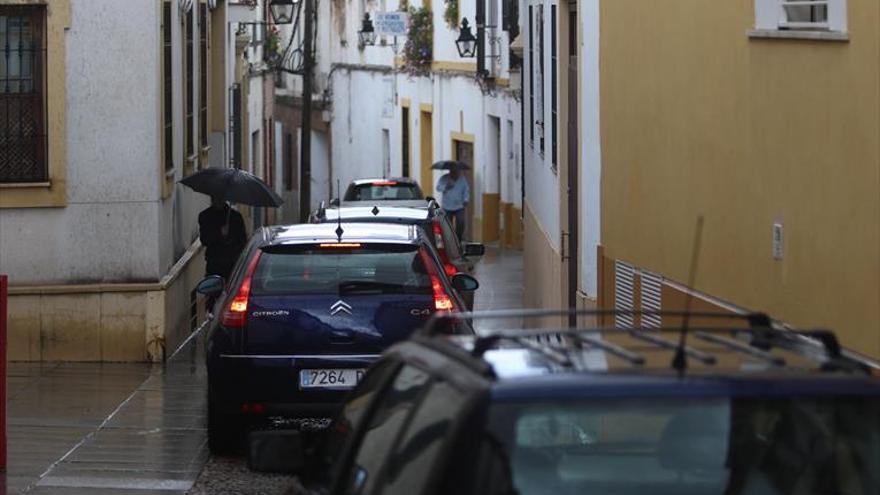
[340, 306]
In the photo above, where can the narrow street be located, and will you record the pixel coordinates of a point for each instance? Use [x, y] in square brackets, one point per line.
[140, 429]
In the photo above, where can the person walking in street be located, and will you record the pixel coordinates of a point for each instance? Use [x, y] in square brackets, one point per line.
[456, 194]
[222, 232]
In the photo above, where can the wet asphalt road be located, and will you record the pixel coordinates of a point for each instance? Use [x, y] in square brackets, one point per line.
[81, 428]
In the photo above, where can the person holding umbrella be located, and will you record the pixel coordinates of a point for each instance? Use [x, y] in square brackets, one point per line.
[456, 193]
[222, 232]
[221, 228]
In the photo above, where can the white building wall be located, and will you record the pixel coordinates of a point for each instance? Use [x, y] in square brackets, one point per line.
[107, 232]
[542, 181]
[591, 146]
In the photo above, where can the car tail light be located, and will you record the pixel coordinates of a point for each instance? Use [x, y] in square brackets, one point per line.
[235, 316]
[448, 267]
[384, 182]
[442, 301]
[256, 408]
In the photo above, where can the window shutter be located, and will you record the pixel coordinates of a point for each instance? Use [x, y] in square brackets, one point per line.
[623, 293]
[651, 286]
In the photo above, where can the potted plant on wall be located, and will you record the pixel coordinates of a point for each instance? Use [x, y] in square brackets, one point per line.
[450, 14]
[418, 51]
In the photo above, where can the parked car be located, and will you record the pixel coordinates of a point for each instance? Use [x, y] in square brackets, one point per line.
[381, 189]
[306, 311]
[429, 217]
[757, 411]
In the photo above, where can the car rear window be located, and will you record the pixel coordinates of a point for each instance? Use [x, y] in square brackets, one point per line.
[383, 190]
[329, 269]
[700, 446]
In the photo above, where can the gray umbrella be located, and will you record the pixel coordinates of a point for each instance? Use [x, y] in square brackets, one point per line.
[234, 185]
[450, 165]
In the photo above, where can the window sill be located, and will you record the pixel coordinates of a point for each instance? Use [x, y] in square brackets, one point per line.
[25, 185]
[791, 34]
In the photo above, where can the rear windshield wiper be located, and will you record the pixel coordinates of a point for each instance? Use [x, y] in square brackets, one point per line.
[369, 286]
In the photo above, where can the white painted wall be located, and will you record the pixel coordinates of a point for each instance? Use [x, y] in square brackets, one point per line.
[541, 181]
[108, 230]
[591, 146]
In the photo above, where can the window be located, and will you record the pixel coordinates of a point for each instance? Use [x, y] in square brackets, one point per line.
[22, 90]
[382, 429]
[167, 119]
[539, 122]
[189, 130]
[203, 75]
[553, 67]
[532, 73]
[418, 451]
[801, 15]
[339, 435]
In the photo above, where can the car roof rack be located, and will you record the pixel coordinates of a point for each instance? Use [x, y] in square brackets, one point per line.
[755, 339]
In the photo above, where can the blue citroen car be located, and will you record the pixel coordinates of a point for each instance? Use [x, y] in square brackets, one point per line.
[307, 309]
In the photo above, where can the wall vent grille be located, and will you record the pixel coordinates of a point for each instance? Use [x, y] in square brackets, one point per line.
[623, 293]
[652, 284]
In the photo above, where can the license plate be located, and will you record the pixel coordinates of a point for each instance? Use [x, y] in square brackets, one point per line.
[330, 378]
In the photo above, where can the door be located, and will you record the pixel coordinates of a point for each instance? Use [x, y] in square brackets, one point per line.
[426, 152]
[463, 151]
[404, 152]
[573, 165]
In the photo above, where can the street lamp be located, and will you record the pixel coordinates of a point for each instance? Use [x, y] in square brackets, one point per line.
[367, 35]
[282, 11]
[466, 42]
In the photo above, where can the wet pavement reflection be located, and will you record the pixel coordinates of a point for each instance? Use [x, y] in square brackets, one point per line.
[107, 428]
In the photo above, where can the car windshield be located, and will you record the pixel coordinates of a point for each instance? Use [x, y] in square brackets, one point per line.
[352, 269]
[383, 190]
[741, 446]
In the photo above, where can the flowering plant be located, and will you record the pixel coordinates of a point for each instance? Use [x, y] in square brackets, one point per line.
[418, 51]
[450, 14]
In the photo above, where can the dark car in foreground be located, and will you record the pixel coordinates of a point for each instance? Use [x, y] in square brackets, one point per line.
[307, 310]
[744, 411]
[381, 189]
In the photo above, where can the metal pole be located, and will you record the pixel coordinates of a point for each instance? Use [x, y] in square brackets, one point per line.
[305, 160]
[481, 37]
[3, 302]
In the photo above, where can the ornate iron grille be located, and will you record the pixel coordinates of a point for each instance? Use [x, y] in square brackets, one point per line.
[22, 89]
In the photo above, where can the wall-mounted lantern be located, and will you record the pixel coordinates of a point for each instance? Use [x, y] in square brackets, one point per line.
[367, 34]
[282, 11]
[466, 42]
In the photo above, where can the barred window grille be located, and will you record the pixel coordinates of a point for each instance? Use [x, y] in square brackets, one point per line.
[203, 75]
[22, 93]
[651, 286]
[189, 130]
[804, 14]
[168, 118]
[623, 294]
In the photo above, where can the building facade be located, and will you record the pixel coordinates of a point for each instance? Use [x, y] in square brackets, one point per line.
[374, 115]
[690, 109]
[106, 105]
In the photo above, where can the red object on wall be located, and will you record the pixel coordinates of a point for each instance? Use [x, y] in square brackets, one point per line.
[3, 301]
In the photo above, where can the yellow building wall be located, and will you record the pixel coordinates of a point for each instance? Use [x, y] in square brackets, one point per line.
[698, 118]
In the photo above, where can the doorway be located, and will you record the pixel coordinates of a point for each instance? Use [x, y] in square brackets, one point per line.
[463, 151]
[404, 152]
[426, 152]
[493, 187]
[573, 165]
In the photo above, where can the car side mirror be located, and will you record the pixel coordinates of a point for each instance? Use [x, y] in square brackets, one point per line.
[334, 202]
[474, 249]
[464, 282]
[276, 451]
[211, 285]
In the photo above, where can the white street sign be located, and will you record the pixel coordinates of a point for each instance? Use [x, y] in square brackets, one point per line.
[391, 23]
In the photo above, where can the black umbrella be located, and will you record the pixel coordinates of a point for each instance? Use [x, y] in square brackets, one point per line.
[450, 165]
[234, 185]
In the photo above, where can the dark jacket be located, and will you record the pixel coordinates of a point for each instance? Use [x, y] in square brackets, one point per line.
[221, 252]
